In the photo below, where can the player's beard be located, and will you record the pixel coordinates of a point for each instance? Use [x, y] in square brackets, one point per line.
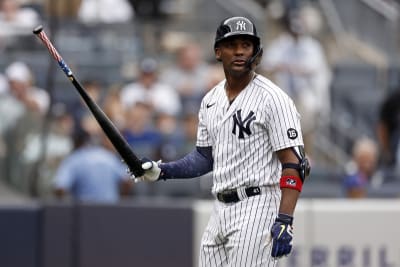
[238, 72]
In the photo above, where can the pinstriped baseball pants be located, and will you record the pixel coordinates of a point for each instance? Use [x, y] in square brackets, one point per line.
[238, 234]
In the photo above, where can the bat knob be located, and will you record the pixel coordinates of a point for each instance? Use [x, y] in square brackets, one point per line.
[38, 29]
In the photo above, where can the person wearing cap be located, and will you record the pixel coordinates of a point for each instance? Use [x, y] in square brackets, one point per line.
[22, 110]
[361, 169]
[14, 17]
[297, 63]
[22, 97]
[249, 137]
[92, 172]
[189, 75]
[148, 89]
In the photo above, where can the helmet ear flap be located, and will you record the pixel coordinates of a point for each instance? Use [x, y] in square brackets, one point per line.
[256, 58]
[259, 56]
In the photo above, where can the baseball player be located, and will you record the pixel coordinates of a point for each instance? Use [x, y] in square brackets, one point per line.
[249, 136]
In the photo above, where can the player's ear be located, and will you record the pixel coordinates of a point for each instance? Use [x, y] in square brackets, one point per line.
[217, 54]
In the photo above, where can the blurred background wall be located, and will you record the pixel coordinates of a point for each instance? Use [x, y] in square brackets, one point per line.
[167, 232]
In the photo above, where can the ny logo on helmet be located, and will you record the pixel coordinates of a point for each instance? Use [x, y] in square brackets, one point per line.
[243, 125]
[240, 25]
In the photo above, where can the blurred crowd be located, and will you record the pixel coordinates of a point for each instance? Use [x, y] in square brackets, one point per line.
[50, 148]
[156, 113]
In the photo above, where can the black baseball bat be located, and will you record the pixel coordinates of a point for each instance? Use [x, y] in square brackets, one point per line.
[113, 134]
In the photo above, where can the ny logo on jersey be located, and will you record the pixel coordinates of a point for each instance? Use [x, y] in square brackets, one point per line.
[240, 25]
[243, 125]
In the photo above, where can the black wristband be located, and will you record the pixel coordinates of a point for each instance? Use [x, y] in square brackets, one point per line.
[284, 218]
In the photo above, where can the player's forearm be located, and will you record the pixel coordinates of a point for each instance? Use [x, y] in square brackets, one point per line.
[288, 201]
[291, 181]
[289, 196]
[195, 164]
[383, 136]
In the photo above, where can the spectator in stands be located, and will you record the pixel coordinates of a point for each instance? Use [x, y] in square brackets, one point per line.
[148, 89]
[361, 169]
[3, 90]
[171, 136]
[22, 110]
[177, 135]
[22, 96]
[215, 75]
[44, 152]
[3, 84]
[58, 139]
[388, 131]
[296, 62]
[140, 131]
[93, 172]
[190, 122]
[189, 76]
[105, 11]
[14, 18]
[112, 106]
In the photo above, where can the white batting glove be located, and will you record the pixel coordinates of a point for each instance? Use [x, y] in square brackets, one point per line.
[151, 171]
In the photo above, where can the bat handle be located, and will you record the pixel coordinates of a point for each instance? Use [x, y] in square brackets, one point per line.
[38, 29]
[41, 34]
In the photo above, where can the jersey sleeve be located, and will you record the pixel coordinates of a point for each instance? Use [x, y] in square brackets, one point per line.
[203, 135]
[284, 123]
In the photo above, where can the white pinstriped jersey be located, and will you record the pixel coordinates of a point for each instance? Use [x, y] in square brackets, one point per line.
[244, 135]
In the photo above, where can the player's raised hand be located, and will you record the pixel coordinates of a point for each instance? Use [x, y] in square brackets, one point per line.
[282, 235]
[151, 171]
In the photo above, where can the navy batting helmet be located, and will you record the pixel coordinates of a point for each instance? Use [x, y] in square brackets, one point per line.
[239, 26]
[234, 26]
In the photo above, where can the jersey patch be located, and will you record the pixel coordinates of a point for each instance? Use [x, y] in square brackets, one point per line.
[243, 126]
[292, 133]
